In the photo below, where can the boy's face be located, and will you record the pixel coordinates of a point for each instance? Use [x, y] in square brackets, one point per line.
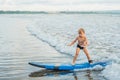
[80, 33]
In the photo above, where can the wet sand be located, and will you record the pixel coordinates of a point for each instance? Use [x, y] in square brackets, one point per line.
[18, 47]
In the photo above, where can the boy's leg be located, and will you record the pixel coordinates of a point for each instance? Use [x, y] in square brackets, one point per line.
[76, 55]
[86, 52]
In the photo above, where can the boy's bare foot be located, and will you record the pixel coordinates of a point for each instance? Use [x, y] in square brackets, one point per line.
[73, 63]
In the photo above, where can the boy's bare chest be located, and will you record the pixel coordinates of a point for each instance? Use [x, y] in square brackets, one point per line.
[81, 39]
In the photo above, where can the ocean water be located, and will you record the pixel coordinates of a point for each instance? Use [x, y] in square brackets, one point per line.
[30, 37]
[102, 30]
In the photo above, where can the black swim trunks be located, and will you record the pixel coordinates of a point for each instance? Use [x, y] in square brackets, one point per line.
[78, 46]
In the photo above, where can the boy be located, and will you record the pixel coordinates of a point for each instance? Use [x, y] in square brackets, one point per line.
[82, 45]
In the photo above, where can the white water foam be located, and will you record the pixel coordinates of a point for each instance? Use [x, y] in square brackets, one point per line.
[112, 72]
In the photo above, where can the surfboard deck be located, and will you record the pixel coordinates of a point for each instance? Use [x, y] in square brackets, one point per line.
[85, 65]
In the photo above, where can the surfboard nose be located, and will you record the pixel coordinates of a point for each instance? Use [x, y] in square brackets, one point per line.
[37, 64]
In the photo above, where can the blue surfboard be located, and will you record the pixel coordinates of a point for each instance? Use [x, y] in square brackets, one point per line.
[64, 66]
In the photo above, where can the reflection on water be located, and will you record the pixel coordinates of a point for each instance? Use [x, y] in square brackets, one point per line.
[45, 72]
[88, 74]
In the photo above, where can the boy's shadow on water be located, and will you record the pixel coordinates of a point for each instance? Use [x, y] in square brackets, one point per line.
[52, 73]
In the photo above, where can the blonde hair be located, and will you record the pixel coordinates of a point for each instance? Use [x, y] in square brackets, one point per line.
[81, 31]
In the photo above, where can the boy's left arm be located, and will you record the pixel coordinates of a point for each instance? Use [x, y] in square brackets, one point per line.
[72, 42]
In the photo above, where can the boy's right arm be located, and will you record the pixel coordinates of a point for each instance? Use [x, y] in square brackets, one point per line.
[73, 42]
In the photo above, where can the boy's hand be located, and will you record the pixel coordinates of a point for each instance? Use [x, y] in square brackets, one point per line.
[68, 45]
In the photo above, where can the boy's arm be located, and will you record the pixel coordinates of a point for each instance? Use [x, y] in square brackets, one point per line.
[87, 43]
[73, 42]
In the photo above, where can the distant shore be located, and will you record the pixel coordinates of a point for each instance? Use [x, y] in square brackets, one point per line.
[61, 12]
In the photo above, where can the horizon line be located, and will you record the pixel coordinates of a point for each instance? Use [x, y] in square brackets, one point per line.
[62, 12]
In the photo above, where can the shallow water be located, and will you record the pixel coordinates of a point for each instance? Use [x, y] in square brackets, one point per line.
[25, 38]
